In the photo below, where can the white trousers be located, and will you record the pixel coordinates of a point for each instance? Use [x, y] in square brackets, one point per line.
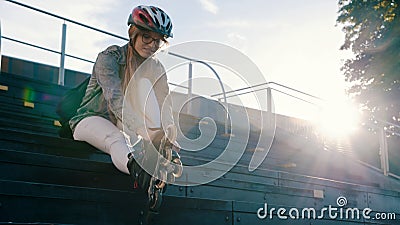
[107, 137]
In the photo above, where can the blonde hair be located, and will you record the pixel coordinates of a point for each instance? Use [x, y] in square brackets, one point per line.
[132, 60]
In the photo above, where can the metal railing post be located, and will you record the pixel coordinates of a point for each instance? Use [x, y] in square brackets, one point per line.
[383, 150]
[190, 88]
[269, 106]
[216, 75]
[62, 59]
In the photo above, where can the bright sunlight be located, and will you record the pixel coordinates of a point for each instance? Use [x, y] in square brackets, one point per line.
[338, 119]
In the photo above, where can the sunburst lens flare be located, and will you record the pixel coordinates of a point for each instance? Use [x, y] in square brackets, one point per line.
[338, 119]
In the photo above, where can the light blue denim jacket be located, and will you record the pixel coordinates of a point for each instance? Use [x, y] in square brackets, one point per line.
[104, 95]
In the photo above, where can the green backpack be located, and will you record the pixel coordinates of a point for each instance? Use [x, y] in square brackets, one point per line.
[68, 106]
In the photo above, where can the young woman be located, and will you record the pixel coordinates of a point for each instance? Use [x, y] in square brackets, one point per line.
[99, 121]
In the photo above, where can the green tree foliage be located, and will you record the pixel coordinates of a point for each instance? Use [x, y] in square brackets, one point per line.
[372, 33]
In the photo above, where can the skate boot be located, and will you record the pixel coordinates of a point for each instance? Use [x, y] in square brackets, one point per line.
[169, 166]
[153, 166]
[142, 164]
[140, 178]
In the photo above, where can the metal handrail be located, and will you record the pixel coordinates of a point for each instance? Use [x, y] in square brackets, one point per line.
[101, 31]
[266, 88]
[72, 56]
[312, 103]
[215, 73]
[66, 19]
[267, 83]
[63, 40]
[390, 124]
[210, 67]
[46, 49]
[178, 85]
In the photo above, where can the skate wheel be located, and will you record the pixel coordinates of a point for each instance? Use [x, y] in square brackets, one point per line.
[178, 168]
[160, 184]
[171, 178]
[166, 151]
[155, 200]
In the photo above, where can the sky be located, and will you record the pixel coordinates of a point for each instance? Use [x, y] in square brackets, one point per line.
[295, 43]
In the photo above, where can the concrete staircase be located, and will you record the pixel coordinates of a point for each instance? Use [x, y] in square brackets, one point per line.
[45, 179]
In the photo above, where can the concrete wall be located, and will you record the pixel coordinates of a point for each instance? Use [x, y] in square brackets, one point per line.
[39, 71]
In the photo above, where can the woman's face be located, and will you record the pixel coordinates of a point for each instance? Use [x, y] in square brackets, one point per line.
[147, 43]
